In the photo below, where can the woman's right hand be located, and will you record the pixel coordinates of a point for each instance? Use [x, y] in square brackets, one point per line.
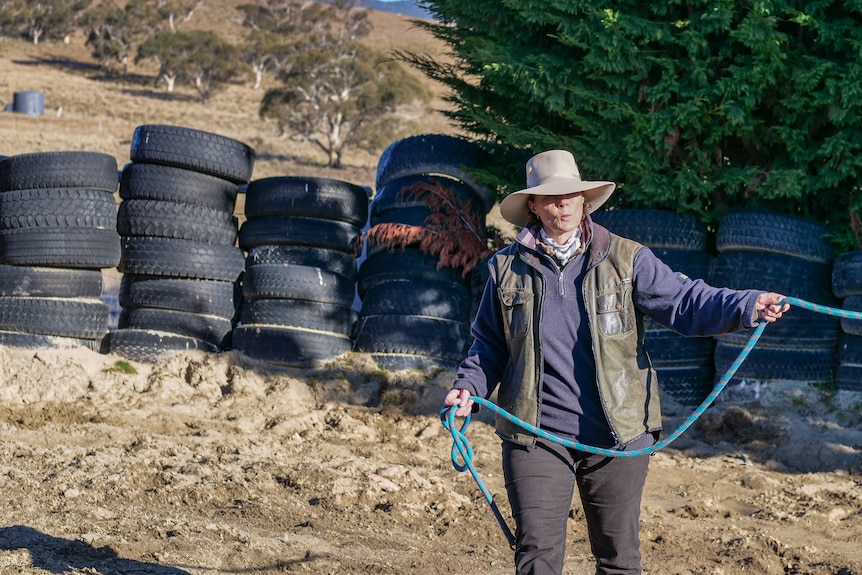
[460, 397]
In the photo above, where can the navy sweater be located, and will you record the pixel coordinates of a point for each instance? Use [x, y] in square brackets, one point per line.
[570, 404]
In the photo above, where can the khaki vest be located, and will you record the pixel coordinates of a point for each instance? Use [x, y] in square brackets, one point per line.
[626, 380]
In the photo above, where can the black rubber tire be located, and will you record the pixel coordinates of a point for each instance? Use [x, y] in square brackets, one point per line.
[850, 349]
[687, 385]
[90, 170]
[173, 220]
[68, 247]
[847, 274]
[313, 315]
[789, 275]
[407, 264]
[140, 181]
[35, 341]
[335, 261]
[191, 149]
[798, 328]
[180, 258]
[412, 362]
[751, 230]
[322, 198]
[209, 328]
[148, 346]
[58, 207]
[83, 318]
[30, 281]
[289, 346]
[436, 154]
[848, 377]
[695, 264]
[411, 334]
[296, 231]
[210, 297]
[814, 365]
[667, 348]
[655, 228]
[397, 195]
[297, 282]
[853, 304]
[410, 216]
[406, 297]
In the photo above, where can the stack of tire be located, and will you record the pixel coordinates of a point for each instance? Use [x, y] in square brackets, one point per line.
[414, 313]
[180, 263]
[847, 285]
[789, 255]
[300, 270]
[57, 232]
[684, 365]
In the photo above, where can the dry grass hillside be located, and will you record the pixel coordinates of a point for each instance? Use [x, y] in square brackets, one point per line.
[85, 109]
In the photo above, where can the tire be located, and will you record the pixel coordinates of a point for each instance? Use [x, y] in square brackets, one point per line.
[694, 264]
[409, 216]
[687, 385]
[847, 274]
[335, 261]
[209, 297]
[805, 279]
[195, 150]
[412, 361]
[321, 198]
[90, 170]
[317, 316]
[411, 334]
[57, 207]
[405, 297]
[436, 154]
[852, 326]
[655, 228]
[397, 194]
[76, 318]
[850, 349]
[209, 328]
[180, 258]
[147, 346]
[29, 281]
[289, 346]
[405, 264]
[848, 378]
[68, 247]
[179, 221]
[815, 365]
[296, 231]
[667, 348]
[773, 233]
[168, 184]
[297, 282]
[35, 341]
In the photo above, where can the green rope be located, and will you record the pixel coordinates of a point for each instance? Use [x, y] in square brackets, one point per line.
[462, 450]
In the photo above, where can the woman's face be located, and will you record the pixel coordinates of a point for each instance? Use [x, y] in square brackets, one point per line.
[560, 216]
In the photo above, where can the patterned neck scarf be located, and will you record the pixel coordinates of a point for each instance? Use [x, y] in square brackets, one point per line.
[563, 252]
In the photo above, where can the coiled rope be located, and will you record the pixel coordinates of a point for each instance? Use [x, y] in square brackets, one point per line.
[462, 450]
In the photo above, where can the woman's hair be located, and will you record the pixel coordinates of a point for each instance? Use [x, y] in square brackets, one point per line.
[532, 219]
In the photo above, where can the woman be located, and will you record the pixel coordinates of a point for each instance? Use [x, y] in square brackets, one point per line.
[560, 329]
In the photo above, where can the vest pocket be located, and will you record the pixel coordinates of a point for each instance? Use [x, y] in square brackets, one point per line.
[516, 312]
[614, 310]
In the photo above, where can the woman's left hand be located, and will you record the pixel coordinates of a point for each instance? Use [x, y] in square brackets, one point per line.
[769, 306]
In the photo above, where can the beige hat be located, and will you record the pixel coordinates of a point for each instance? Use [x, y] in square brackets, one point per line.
[553, 173]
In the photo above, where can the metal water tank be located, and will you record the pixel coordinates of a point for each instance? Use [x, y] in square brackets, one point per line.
[28, 102]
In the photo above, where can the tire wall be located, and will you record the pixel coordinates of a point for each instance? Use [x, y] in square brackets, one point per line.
[683, 365]
[847, 286]
[789, 255]
[414, 314]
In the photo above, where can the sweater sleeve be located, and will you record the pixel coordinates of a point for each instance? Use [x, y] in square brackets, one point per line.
[686, 306]
[481, 370]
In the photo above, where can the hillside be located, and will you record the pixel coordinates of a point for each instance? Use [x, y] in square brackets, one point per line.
[85, 110]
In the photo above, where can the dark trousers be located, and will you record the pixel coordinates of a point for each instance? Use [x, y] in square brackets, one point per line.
[540, 484]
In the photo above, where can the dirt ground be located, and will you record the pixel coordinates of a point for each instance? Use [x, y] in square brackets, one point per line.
[210, 463]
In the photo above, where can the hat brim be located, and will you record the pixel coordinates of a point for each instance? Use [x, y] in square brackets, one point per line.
[514, 208]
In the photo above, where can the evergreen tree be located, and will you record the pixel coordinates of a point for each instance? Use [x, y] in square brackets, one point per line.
[702, 105]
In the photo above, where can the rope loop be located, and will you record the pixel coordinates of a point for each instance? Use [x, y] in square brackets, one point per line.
[461, 447]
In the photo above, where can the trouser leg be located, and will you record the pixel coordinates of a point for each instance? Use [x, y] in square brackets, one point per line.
[611, 490]
[540, 483]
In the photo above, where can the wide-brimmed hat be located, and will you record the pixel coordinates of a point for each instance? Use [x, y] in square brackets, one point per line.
[553, 173]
